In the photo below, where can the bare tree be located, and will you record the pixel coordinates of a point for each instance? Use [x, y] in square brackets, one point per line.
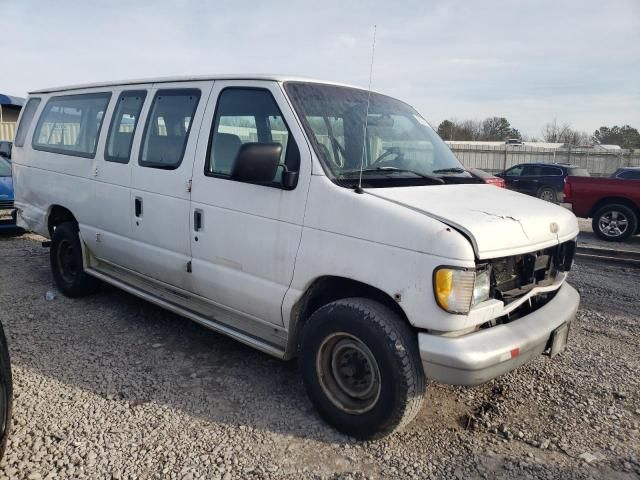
[470, 130]
[624, 136]
[498, 129]
[530, 138]
[553, 132]
[463, 130]
[489, 129]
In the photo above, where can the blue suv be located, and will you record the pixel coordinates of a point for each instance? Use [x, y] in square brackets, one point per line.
[542, 180]
[7, 212]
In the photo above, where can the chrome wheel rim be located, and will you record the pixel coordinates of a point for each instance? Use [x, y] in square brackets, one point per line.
[66, 261]
[613, 223]
[348, 373]
[547, 196]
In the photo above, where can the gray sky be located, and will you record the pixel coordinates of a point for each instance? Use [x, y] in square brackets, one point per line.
[577, 61]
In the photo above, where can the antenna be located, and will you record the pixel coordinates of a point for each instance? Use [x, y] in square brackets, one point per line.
[366, 115]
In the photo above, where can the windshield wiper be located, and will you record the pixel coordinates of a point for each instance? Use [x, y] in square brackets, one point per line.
[433, 178]
[450, 170]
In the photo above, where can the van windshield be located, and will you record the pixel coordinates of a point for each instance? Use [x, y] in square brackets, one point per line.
[400, 145]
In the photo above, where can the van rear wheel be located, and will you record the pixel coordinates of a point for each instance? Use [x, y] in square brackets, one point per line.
[66, 262]
[361, 368]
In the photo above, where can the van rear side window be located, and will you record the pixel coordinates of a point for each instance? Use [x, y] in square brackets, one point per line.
[71, 124]
[25, 121]
[167, 128]
[123, 126]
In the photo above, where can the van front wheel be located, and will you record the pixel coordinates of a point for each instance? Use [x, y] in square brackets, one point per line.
[361, 367]
[66, 262]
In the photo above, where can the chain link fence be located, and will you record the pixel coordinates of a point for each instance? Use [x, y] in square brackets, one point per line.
[496, 158]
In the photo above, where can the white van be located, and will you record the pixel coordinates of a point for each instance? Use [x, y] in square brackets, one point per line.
[304, 219]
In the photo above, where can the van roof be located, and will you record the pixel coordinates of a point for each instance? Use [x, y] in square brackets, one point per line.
[189, 78]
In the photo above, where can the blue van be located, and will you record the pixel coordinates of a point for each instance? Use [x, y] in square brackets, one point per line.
[7, 212]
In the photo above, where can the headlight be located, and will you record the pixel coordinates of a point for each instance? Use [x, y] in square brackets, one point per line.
[481, 286]
[458, 289]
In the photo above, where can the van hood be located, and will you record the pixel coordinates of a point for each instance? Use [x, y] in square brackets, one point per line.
[498, 222]
[6, 188]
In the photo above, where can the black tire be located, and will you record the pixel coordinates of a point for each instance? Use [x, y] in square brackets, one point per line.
[396, 397]
[548, 194]
[66, 262]
[607, 222]
[6, 392]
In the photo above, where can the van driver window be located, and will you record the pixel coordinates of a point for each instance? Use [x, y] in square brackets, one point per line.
[247, 115]
[123, 126]
[167, 128]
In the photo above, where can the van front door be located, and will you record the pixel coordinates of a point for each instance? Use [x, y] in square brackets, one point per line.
[160, 182]
[244, 237]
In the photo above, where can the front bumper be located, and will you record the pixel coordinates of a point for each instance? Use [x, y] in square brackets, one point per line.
[7, 219]
[485, 354]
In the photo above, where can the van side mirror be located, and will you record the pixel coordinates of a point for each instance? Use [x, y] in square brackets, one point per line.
[289, 179]
[257, 162]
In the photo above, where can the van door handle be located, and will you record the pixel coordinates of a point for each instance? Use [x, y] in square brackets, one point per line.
[197, 220]
[138, 207]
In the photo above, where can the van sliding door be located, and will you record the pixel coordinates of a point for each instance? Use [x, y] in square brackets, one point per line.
[161, 179]
[112, 240]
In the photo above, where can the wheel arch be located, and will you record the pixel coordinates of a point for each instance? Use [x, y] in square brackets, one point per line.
[614, 200]
[57, 215]
[548, 186]
[327, 289]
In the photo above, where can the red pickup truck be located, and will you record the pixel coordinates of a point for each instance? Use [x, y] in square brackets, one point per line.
[613, 205]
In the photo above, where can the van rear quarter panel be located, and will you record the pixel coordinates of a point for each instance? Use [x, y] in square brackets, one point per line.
[43, 179]
[38, 190]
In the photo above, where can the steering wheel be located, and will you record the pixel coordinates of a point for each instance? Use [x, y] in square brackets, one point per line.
[387, 152]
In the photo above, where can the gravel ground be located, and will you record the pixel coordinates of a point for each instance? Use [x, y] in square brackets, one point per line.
[113, 387]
